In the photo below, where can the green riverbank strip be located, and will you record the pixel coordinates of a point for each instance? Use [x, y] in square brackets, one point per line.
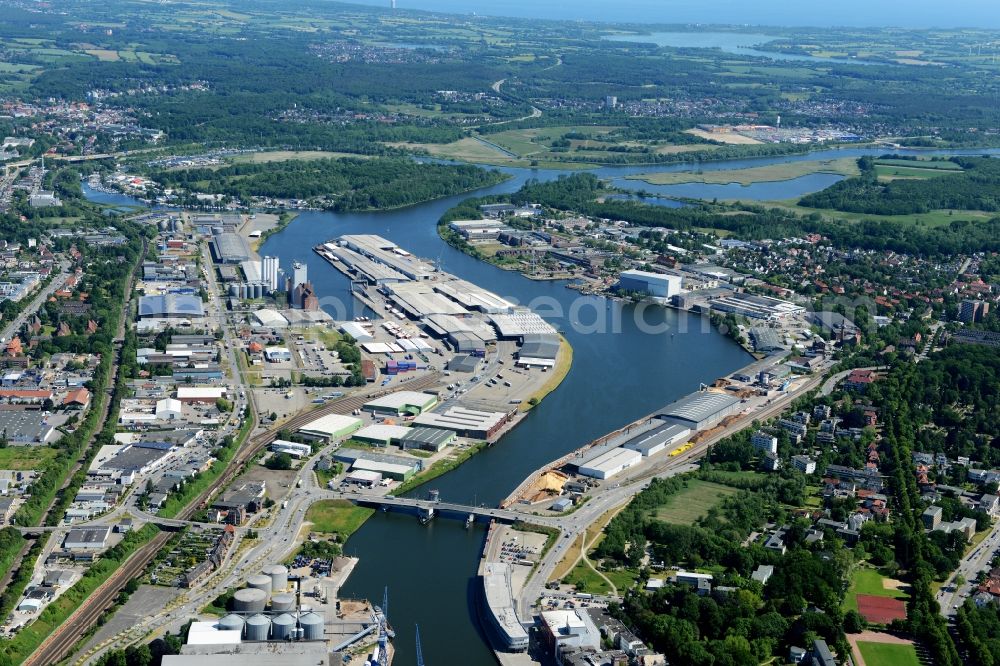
[844, 166]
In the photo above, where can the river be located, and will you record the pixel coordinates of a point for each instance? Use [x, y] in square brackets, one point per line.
[620, 372]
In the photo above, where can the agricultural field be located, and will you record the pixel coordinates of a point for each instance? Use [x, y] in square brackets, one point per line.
[935, 218]
[870, 582]
[690, 504]
[844, 166]
[910, 169]
[337, 516]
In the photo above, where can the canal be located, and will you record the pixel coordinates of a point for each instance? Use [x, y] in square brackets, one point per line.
[622, 369]
[628, 361]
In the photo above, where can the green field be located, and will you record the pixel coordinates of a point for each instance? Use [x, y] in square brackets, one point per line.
[870, 582]
[934, 218]
[844, 166]
[888, 654]
[25, 457]
[937, 165]
[340, 516]
[585, 579]
[690, 504]
[886, 172]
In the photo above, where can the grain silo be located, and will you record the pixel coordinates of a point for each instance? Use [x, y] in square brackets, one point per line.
[249, 600]
[258, 627]
[282, 627]
[279, 576]
[232, 622]
[312, 626]
[281, 603]
[260, 582]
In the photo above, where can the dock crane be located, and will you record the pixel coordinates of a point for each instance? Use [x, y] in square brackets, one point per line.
[384, 633]
[420, 652]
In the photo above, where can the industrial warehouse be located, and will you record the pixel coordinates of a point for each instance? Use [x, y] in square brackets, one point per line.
[666, 432]
[702, 410]
[467, 316]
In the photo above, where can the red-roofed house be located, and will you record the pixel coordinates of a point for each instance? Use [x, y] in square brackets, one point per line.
[78, 399]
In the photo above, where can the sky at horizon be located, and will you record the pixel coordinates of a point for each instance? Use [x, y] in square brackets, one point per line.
[850, 13]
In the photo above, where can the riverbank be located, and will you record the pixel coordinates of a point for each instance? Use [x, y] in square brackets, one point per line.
[564, 361]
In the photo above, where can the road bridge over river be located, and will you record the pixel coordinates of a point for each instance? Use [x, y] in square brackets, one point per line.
[425, 507]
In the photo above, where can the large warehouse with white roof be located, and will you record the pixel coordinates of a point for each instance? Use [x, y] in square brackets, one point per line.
[610, 463]
[700, 411]
[330, 427]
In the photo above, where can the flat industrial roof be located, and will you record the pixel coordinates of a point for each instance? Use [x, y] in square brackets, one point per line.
[660, 435]
[253, 653]
[402, 399]
[473, 296]
[613, 459]
[382, 432]
[134, 458]
[200, 392]
[365, 475]
[331, 424]
[699, 406]
[171, 304]
[461, 418]
[382, 467]
[519, 324]
[500, 599]
[420, 299]
[269, 317]
[88, 534]
[434, 436]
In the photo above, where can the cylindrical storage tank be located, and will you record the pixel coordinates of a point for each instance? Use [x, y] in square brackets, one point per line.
[258, 628]
[258, 290]
[282, 602]
[234, 290]
[312, 626]
[244, 291]
[282, 627]
[249, 600]
[279, 576]
[232, 622]
[260, 582]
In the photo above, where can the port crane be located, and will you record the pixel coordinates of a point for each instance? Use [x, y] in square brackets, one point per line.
[384, 633]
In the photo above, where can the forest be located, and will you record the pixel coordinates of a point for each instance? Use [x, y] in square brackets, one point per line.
[338, 184]
[751, 624]
[580, 192]
[977, 187]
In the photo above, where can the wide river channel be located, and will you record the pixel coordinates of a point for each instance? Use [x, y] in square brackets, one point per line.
[627, 362]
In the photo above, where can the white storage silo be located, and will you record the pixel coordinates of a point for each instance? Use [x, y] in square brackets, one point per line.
[312, 626]
[282, 627]
[258, 627]
[279, 576]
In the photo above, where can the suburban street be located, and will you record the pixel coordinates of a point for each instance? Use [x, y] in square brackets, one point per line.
[29, 311]
[951, 596]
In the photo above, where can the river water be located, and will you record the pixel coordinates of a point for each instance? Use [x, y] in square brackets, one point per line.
[628, 362]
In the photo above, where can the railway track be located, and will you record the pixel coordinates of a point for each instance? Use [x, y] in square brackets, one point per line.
[59, 644]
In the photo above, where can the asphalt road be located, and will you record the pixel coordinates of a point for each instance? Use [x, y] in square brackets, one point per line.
[951, 596]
